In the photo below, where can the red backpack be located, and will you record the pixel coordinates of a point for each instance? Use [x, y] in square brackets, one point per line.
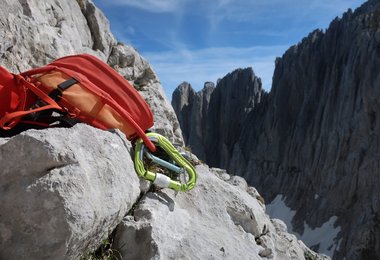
[78, 86]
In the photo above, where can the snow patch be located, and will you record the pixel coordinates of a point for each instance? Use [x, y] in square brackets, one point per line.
[325, 236]
[278, 209]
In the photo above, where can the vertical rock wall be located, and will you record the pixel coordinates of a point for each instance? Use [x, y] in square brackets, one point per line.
[213, 118]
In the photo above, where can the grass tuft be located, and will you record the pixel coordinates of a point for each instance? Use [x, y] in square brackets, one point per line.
[104, 252]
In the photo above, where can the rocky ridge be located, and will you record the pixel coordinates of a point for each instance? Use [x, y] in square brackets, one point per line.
[65, 190]
[315, 137]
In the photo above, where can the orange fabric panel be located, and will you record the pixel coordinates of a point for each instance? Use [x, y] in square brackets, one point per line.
[106, 82]
[87, 103]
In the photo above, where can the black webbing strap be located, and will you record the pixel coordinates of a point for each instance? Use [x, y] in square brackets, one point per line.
[56, 94]
[47, 118]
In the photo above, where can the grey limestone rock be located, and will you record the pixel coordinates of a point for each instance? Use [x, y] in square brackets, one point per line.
[192, 107]
[103, 39]
[215, 220]
[212, 119]
[35, 32]
[63, 191]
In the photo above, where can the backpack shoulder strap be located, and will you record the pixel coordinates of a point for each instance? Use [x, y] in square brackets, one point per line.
[11, 119]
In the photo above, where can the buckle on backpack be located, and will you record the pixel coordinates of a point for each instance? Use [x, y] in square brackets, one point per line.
[178, 175]
[57, 93]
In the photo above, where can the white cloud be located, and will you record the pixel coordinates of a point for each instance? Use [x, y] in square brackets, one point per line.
[153, 6]
[270, 12]
[209, 64]
[240, 10]
[130, 30]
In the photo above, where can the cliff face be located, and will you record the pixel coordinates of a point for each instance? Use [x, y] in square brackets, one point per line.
[315, 137]
[193, 118]
[212, 119]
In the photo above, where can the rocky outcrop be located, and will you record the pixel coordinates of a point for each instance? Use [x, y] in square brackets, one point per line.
[315, 137]
[63, 191]
[212, 119]
[34, 33]
[206, 223]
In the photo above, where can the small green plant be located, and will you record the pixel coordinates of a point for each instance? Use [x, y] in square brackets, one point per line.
[187, 149]
[191, 157]
[104, 252]
[310, 256]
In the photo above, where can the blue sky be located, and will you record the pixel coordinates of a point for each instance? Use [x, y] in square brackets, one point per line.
[203, 40]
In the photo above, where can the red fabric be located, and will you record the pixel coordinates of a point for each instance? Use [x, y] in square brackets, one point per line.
[109, 84]
[96, 76]
[9, 93]
[16, 105]
[105, 82]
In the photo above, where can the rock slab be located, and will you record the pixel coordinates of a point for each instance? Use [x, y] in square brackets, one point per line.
[63, 191]
[215, 220]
